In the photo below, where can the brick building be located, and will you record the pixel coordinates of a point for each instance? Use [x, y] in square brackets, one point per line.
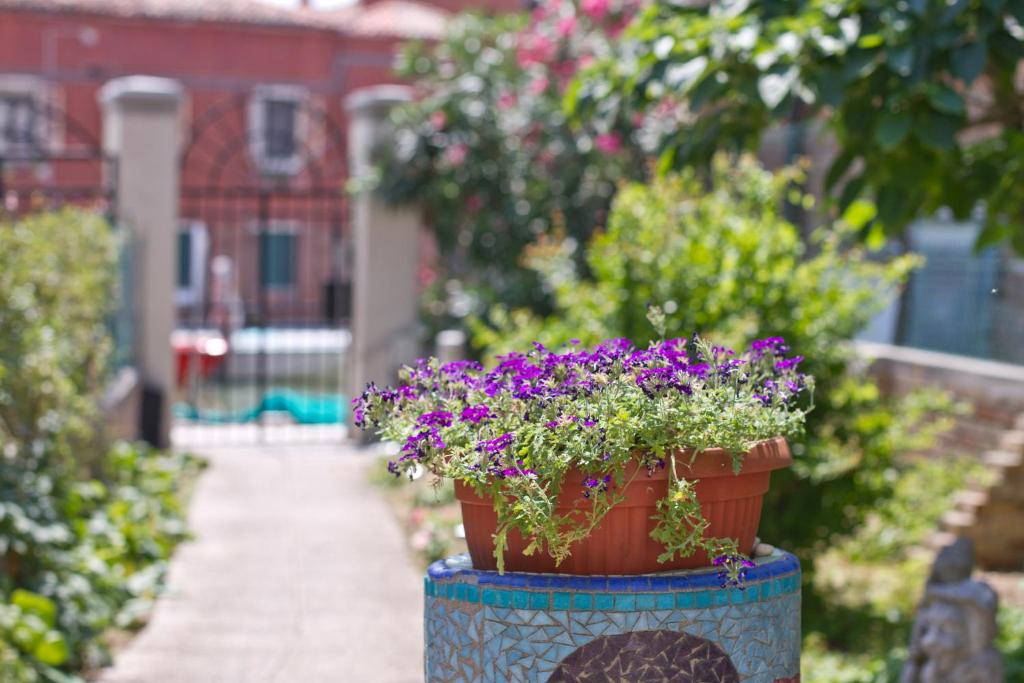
[263, 167]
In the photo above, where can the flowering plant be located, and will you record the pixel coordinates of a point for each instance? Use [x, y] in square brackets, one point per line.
[513, 432]
[488, 153]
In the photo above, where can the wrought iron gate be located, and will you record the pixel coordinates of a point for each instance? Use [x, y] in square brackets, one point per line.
[263, 285]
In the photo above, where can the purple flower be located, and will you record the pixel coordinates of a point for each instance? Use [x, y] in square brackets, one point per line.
[788, 363]
[496, 445]
[437, 418]
[475, 413]
[592, 484]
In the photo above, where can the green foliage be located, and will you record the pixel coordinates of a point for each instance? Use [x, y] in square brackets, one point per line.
[56, 279]
[487, 151]
[720, 259]
[85, 529]
[921, 96]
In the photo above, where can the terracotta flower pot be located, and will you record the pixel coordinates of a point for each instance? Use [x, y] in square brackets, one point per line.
[621, 544]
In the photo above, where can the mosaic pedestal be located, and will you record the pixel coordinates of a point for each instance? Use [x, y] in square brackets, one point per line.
[683, 627]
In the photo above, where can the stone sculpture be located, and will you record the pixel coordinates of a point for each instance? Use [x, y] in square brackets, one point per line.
[952, 638]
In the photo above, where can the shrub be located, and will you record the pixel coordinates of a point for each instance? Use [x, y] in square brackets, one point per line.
[720, 259]
[85, 529]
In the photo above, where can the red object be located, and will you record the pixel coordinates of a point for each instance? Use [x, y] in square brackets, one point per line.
[209, 351]
[621, 544]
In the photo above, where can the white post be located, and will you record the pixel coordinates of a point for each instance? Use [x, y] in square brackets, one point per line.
[141, 129]
[386, 246]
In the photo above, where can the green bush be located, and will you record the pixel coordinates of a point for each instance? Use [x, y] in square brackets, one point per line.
[721, 260]
[85, 528]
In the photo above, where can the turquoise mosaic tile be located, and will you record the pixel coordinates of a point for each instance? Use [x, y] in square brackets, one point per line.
[624, 602]
[538, 600]
[664, 601]
[583, 601]
[561, 601]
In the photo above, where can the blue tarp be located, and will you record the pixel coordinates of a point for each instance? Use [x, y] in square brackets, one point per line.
[308, 409]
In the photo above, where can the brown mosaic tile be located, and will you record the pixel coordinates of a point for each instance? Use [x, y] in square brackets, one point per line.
[647, 657]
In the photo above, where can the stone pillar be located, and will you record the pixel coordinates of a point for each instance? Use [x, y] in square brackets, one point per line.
[386, 247]
[141, 129]
[487, 627]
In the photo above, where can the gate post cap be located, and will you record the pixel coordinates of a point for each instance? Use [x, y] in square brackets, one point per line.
[143, 90]
[377, 97]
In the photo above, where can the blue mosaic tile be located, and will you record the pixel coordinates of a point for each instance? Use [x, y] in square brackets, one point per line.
[561, 601]
[604, 601]
[538, 600]
[583, 601]
[624, 602]
[645, 601]
[665, 601]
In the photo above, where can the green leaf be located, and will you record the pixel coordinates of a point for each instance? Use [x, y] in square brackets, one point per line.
[954, 10]
[892, 129]
[663, 47]
[851, 191]
[875, 238]
[1007, 46]
[892, 204]
[992, 234]
[681, 77]
[1016, 8]
[945, 99]
[859, 213]
[52, 650]
[936, 130]
[36, 604]
[870, 41]
[969, 61]
[838, 168]
[901, 59]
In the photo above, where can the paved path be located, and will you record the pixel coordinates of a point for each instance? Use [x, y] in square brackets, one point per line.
[298, 574]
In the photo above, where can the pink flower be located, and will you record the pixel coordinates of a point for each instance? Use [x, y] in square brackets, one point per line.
[608, 143]
[566, 26]
[535, 49]
[538, 85]
[506, 100]
[595, 9]
[616, 29]
[456, 154]
[439, 120]
[474, 203]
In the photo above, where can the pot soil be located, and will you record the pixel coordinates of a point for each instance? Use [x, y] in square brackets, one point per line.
[621, 543]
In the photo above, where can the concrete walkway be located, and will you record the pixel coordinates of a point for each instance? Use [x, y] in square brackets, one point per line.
[298, 574]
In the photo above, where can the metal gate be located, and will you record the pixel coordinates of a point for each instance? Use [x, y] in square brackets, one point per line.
[263, 279]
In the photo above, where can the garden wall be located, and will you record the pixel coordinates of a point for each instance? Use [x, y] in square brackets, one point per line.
[992, 430]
